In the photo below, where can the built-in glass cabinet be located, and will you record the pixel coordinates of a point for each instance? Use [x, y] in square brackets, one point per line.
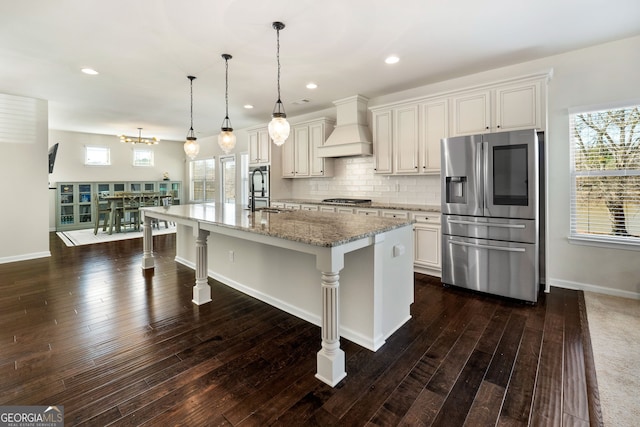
[77, 202]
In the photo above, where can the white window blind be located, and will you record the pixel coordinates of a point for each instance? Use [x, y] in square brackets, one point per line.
[605, 167]
[202, 180]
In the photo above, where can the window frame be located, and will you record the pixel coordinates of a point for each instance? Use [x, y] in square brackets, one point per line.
[208, 185]
[594, 239]
[146, 151]
[96, 150]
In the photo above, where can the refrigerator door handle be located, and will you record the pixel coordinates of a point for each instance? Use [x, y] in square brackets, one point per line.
[486, 224]
[497, 248]
[485, 177]
[479, 180]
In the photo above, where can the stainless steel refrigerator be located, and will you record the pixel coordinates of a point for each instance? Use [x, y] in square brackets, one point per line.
[490, 213]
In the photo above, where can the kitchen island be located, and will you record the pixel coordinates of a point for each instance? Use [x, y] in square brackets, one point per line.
[350, 275]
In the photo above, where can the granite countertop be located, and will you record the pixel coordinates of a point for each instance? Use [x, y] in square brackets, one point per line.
[372, 205]
[314, 228]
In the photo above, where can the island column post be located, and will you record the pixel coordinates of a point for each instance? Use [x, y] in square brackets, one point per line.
[331, 358]
[201, 290]
[147, 245]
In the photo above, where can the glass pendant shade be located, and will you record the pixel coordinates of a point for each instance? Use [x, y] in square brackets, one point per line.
[278, 126]
[227, 140]
[191, 147]
[279, 129]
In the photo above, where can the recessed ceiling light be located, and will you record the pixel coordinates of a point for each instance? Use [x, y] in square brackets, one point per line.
[392, 60]
[89, 71]
[248, 106]
[311, 85]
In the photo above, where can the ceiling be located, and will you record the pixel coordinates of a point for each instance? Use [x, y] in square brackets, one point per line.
[144, 50]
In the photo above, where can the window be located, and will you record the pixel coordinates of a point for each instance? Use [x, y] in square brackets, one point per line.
[228, 178]
[142, 157]
[97, 156]
[605, 167]
[202, 173]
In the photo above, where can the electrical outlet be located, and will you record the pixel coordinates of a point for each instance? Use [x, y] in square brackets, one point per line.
[232, 256]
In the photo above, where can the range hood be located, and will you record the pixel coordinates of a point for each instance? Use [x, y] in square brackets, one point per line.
[351, 137]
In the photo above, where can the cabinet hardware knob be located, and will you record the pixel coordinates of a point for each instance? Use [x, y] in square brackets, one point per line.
[487, 127]
[498, 126]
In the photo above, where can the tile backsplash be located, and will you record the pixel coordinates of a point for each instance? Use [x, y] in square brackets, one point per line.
[354, 177]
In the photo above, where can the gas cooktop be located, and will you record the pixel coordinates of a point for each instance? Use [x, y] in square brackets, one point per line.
[345, 201]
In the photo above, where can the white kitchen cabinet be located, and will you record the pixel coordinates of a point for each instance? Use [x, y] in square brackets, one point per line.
[367, 212]
[299, 152]
[434, 125]
[278, 205]
[329, 209]
[382, 141]
[502, 107]
[294, 206]
[309, 207]
[343, 210]
[318, 134]
[427, 243]
[518, 106]
[405, 139]
[393, 213]
[259, 146]
[471, 113]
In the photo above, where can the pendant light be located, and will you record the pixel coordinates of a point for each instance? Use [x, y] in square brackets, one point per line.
[191, 147]
[278, 126]
[226, 139]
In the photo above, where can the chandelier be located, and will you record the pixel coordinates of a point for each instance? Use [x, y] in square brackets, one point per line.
[279, 126]
[139, 139]
[226, 138]
[191, 147]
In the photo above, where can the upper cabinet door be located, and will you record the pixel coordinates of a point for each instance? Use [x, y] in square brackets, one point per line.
[259, 147]
[382, 141]
[434, 126]
[317, 134]
[471, 113]
[518, 107]
[406, 139]
[301, 150]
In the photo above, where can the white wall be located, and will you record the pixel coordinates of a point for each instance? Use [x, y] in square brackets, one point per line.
[69, 166]
[598, 75]
[23, 173]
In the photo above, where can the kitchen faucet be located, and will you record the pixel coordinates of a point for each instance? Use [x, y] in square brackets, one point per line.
[253, 188]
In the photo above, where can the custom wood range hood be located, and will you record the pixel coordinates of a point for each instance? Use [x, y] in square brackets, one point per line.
[352, 136]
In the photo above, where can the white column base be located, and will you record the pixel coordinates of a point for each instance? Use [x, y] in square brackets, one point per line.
[201, 294]
[331, 367]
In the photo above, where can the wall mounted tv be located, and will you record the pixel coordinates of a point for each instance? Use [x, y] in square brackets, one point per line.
[52, 156]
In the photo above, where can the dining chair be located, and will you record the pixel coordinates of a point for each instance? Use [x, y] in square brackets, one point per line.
[102, 210]
[130, 215]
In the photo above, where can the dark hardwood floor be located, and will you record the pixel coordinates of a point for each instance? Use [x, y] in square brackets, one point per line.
[87, 329]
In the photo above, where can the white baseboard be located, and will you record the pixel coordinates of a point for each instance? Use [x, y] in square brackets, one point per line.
[25, 257]
[427, 270]
[567, 284]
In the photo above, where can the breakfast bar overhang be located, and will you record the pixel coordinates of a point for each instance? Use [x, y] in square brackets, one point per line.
[364, 266]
